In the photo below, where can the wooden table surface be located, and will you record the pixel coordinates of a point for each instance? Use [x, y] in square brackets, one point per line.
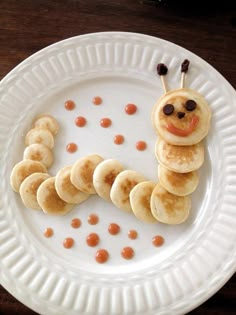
[27, 26]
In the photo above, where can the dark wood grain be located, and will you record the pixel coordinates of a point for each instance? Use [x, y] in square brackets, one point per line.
[28, 26]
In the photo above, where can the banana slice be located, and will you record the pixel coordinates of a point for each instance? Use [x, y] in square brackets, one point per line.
[104, 176]
[40, 135]
[46, 122]
[168, 208]
[140, 197]
[49, 200]
[180, 184]
[22, 170]
[82, 173]
[29, 187]
[66, 190]
[179, 159]
[120, 190]
[39, 152]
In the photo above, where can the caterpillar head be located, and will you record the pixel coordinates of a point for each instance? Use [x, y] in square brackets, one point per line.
[181, 116]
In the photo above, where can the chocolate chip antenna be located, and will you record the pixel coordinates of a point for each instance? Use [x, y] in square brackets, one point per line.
[162, 71]
[184, 69]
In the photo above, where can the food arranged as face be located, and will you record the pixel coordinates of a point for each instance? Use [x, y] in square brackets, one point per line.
[181, 117]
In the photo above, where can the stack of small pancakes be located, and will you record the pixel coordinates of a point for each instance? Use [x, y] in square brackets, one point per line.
[181, 119]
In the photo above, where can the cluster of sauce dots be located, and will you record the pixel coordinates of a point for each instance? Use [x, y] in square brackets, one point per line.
[105, 122]
[93, 239]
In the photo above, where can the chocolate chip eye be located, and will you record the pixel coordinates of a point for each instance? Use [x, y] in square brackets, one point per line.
[190, 105]
[168, 109]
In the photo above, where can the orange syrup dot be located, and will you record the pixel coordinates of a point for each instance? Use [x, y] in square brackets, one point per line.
[71, 147]
[69, 105]
[119, 139]
[141, 145]
[97, 100]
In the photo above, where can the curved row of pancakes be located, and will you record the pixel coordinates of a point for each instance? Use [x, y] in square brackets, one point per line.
[126, 189]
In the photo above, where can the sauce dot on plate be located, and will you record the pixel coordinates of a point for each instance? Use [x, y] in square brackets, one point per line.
[92, 239]
[101, 256]
[80, 121]
[48, 232]
[132, 234]
[97, 100]
[105, 122]
[68, 242]
[141, 145]
[113, 228]
[71, 147]
[69, 105]
[75, 223]
[93, 219]
[157, 240]
[118, 139]
[130, 109]
[127, 252]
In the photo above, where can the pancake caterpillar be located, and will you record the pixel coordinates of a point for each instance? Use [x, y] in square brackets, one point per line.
[181, 119]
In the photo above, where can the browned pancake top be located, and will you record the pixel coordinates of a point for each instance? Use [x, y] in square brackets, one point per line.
[34, 186]
[178, 179]
[68, 186]
[52, 201]
[126, 186]
[26, 170]
[169, 201]
[179, 153]
[86, 173]
[110, 178]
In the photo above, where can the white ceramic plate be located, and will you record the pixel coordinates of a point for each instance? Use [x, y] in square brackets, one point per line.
[198, 257]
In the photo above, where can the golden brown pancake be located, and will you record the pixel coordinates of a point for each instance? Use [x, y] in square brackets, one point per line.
[39, 152]
[186, 125]
[180, 184]
[123, 184]
[168, 208]
[179, 159]
[66, 190]
[22, 170]
[82, 173]
[39, 135]
[29, 187]
[104, 176]
[46, 122]
[49, 200]
[140, 197]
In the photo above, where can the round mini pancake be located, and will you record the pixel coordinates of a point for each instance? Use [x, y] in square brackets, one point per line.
[120, 190]
[39, 152]
[140, 197]
[22, 170]
[66, 190]
[168, 208]
[49, 200]
[28, 190]
[179, 159]
[104, 176]
[186, 121]
[82, 173]
[179, 184]
[39, 135]
[46, 122]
